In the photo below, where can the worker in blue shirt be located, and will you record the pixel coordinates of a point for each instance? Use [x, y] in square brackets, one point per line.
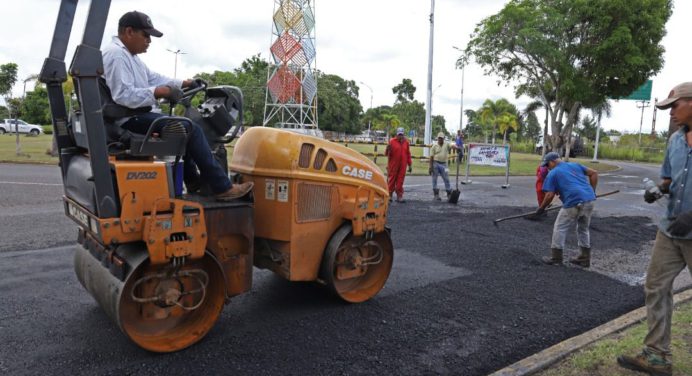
[576, 185]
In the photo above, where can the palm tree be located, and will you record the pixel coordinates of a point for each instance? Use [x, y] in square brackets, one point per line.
[386, 122]
[491, 112]
[507, 121]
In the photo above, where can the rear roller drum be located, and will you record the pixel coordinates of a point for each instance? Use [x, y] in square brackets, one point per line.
[356, 268]
[162, 308]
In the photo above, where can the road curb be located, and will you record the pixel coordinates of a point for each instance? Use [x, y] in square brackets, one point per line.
[551, 355]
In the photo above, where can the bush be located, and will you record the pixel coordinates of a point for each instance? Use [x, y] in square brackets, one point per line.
[47, 129]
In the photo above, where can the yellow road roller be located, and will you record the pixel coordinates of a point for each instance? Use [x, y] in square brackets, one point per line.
[161, 263]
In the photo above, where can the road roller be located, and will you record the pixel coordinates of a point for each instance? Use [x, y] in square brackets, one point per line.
[162, 262]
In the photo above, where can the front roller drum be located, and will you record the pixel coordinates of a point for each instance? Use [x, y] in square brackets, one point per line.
[162, 308]
[356, 268]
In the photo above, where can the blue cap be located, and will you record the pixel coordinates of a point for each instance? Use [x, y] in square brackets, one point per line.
[549, 158]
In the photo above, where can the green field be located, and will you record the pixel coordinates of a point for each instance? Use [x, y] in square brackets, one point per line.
[35, 150]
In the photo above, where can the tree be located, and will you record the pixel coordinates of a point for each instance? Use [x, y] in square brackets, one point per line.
[507, 122]
[35, 108]
[572, 54]
[411, 114]
[473, 126]
[404, 91]
[387, 122]
[492, 112]
[532, 128]
[251, 78]
[338, 108]
[587, 128]
[438, 125]
[8, 77]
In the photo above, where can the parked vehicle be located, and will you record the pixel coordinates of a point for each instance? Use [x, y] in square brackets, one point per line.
[9, 126]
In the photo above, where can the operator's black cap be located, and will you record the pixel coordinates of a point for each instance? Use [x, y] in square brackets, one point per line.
[140, 21]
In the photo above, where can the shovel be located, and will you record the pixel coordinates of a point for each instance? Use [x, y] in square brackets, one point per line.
[454, 196]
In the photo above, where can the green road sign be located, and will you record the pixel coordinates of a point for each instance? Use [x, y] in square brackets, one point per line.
[643, 93]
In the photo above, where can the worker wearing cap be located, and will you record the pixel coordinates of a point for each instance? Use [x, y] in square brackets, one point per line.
[672, 249]
[135, 89]
[576, 185]
[439, 154]
[398, 158]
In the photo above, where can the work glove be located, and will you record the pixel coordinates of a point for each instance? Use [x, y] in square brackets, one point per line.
[682, 225]
[196, 83]
[174, 94]
[410, 169]
[537, 214]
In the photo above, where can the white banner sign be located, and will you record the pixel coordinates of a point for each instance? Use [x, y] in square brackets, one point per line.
[488, 155]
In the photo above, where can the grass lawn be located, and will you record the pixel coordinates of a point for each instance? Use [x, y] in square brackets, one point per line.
[33, 150]
[520, 163]
[599, 358]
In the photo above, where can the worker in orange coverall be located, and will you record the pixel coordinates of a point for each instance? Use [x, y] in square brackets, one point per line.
[398, 157]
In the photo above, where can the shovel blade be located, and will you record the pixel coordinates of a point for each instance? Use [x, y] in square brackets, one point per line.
[454, 196]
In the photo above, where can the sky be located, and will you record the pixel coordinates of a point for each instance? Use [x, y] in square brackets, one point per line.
[375, 43]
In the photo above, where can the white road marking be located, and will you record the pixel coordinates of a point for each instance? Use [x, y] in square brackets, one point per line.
[25, 183]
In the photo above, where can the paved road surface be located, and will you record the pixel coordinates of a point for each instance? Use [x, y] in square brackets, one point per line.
[464, 297]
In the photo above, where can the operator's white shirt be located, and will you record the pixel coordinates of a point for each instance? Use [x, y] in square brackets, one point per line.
[131, 82]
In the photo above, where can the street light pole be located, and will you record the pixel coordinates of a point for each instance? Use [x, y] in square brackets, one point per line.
[175, 65]
[428, 113]
[369, 119]
[460, 63]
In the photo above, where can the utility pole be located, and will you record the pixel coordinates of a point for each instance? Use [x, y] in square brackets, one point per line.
[598, 134]
[428, 113]
[653, 120]
[642, 105]
[369, 119]
[175, 66]
[460, 63]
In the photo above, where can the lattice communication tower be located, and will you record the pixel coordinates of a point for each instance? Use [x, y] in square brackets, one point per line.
[291, 98]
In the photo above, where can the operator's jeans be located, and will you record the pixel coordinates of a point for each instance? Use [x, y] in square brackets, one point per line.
[197, 154]
[581, 214]
[668, 259]
[440, 169]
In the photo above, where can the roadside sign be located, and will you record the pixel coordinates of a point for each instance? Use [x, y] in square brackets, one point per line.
[643, 93]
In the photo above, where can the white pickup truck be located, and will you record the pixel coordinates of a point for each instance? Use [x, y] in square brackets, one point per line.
[9, 126]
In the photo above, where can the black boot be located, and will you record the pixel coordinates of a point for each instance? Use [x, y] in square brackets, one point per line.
[436, 192]
[449, 193]
[584, 259]
[556, 257]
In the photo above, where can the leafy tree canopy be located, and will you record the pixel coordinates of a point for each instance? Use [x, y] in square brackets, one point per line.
[571, 54]
[338, 107]
[404, 91]
[8, 77]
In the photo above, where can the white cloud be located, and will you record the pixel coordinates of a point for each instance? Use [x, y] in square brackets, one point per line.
[378, 42]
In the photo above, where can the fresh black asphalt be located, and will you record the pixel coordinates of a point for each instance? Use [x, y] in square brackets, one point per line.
[465, 298]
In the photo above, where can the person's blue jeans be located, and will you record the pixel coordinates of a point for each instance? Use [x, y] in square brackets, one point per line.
[440, 169]
[197, 154]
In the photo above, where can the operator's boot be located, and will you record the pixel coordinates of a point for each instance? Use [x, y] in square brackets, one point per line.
[436, 192]
[556, 257]
[648, 362]
[584, 259]
[449, 193]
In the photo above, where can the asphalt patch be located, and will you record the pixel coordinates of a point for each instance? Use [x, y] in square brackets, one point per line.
[467, 298]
